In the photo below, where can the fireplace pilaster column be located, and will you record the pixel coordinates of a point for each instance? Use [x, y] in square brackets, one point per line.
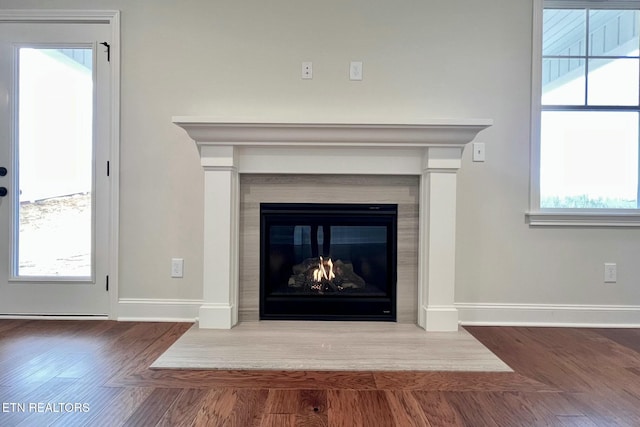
[221, 236]
[437, 252]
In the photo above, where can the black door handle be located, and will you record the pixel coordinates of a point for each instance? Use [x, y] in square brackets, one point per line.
[3, 171]
[3, 191]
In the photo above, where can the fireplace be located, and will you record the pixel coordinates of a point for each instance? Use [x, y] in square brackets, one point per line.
[431, 150]
[328, 261]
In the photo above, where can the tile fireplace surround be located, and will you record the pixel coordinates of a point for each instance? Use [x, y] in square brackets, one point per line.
[431, 149]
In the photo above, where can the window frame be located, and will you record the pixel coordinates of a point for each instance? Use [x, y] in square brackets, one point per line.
[538, 216]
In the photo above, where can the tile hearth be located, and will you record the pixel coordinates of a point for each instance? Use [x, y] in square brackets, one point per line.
[332, 346]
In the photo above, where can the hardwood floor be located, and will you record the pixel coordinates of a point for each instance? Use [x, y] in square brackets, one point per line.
[95, 373]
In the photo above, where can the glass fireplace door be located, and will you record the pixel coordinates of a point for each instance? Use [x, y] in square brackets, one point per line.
[328, 261]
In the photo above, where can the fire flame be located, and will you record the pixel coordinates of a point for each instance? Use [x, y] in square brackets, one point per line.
[324, 270]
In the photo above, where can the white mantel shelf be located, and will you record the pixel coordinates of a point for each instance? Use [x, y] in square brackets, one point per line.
[435, 132]
[431, 149]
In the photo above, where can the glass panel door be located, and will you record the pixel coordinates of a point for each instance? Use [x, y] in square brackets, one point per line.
[55, 134]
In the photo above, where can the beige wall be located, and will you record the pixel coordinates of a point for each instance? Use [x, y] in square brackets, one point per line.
[422, 59]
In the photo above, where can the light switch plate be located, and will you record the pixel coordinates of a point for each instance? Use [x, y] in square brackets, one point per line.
[355, 70]
[478, 152]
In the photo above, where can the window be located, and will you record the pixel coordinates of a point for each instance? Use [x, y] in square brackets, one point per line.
[587, 108]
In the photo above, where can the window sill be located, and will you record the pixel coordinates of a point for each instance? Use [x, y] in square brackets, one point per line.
[583, 219]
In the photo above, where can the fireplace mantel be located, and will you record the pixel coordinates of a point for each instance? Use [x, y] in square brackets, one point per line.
[436, 133]
[431, 149]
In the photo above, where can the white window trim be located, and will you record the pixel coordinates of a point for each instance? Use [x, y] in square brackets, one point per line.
[538, 216]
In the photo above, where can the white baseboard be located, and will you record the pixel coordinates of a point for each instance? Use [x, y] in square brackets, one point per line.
[470, 314]
[440, 318]
[216, 316]
[50, 317]
[556, 315]
[157, 310]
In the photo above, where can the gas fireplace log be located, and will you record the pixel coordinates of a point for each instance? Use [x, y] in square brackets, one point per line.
[306, 265]
[345, 277]
[349, 277]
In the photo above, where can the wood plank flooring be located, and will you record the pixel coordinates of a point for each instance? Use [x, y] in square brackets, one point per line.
[96, 373]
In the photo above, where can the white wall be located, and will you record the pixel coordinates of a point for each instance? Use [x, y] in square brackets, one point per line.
[422, 59]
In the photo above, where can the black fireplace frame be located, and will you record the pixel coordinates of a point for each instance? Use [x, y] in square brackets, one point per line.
[334, 306]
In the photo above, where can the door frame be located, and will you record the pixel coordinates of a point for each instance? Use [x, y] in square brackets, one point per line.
[111, 18]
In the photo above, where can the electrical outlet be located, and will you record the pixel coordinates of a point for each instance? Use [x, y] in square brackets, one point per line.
[610, 272]
[177, 267]
[307, 70]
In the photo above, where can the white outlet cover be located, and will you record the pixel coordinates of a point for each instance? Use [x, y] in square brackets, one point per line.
[307, 70]
[478, 152]
[177, 267]
[610, 272]
[355, 70]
